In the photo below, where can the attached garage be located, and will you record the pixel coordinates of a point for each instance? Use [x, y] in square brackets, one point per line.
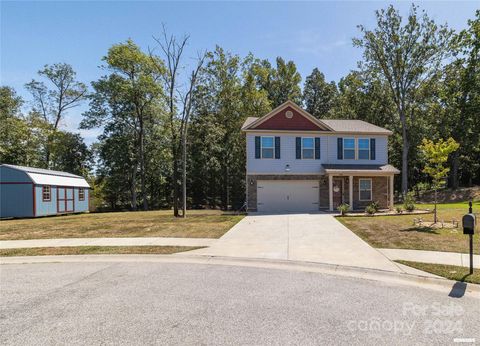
[287, 195]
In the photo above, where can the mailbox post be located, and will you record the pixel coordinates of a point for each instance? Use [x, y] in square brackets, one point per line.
[468, 223]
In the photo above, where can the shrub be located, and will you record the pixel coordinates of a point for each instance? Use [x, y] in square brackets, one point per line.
[399, 209]
[370, 210]
[409, 202]
[375, 206]
[343, 208]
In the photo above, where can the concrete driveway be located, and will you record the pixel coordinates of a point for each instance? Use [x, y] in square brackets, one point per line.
[302, 237]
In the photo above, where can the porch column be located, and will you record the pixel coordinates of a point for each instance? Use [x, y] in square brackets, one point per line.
[350, 191]
[330, 192]
[391, 192]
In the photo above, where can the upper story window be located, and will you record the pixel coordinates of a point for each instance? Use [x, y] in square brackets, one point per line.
[365, 189]
[349, 148]
[46, 193]
[268, 147]
[308, 147]
[364, 149]
[81, 194]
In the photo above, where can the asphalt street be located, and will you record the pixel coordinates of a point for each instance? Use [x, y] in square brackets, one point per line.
[186, 304]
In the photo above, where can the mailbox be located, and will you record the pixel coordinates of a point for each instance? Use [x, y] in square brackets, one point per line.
[468, 222]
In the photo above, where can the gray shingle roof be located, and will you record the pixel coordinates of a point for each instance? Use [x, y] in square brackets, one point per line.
[365, 168]
[345, 125]
[248, 121]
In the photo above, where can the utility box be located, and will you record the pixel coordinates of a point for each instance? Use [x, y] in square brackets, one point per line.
[468, 223]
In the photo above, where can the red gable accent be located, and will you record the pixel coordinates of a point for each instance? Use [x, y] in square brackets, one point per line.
[279, 121]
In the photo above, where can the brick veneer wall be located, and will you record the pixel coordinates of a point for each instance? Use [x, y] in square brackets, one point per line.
[379, 189]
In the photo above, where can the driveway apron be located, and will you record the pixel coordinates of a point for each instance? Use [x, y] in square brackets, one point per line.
[300, 237]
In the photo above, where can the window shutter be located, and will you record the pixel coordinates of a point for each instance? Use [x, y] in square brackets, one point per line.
[317, 148]
[372, 148]
[257, 147]
[277, 147]
[340, 148]
[298, 147]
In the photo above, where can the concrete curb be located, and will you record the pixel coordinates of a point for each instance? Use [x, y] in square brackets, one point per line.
[453, 288]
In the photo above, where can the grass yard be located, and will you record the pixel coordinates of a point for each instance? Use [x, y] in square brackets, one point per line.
[447, 271]
[398, 232]
[158, 223]
[95, 250]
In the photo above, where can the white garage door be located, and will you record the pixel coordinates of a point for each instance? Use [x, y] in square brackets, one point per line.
[287, 195]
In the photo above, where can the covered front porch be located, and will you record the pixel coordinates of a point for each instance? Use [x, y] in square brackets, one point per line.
[360, 185]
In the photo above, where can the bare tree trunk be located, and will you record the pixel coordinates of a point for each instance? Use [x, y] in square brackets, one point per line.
[184, 173]
[404, 153]
[134, 187]
[175, 180]
[435, 207]
[141, 140]
[455, 164]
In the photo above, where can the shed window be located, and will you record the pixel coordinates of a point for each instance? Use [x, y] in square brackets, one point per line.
[81, 194]
[268, 147]
[307, 148]
[364, 149]
[349, 149]
[46, 193]
[365, 189]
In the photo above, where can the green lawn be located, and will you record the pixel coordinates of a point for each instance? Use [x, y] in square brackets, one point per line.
[399, 232]
[447, 271]
[159, 223]
[96, 250]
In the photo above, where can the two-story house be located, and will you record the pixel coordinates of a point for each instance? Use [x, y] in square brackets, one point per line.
[298, 163]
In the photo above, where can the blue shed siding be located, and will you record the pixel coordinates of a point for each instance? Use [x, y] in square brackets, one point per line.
[12, 175]
[16, 200]
[45, 208]
[81, 206]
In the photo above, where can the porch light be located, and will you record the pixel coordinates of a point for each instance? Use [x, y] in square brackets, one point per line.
[287, 168]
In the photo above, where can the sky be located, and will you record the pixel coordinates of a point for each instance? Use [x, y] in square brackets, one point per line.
[312, 34]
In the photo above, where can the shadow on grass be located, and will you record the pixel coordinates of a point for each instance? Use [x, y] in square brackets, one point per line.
[420, 229]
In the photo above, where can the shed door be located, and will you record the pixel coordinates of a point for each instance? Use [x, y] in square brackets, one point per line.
[287, 195]
[65, 198]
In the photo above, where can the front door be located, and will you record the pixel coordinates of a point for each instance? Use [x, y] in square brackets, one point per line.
[337, 192]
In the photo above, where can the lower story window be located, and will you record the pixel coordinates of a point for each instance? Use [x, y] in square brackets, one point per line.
[81, 194]
[46, 193]
[365, 189]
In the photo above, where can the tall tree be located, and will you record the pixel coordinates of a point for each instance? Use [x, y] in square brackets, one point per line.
[127, 98]
[53, 102]
[405, 55]
[281, 83]
[318, 95]
[179, 102]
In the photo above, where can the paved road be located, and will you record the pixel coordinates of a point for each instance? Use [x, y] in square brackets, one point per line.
[173, 303]
[300, 237]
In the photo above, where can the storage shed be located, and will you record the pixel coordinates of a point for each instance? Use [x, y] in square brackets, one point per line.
[32, 192]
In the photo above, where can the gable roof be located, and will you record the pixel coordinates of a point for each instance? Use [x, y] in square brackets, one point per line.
[329, 125]
[251, 123]
[42, 176]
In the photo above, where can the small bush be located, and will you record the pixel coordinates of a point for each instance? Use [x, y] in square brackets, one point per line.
[343, 208]
[409, 202]
[399, 209]
[370, 210]
[375, 206]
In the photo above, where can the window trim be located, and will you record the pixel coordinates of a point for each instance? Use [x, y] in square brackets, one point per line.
[360, 190]
[313, 148]
[354, 148]
[49, 193]
[81, 196]
[261, 148]
[358, 148]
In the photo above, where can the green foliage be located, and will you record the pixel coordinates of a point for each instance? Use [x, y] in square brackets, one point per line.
[370, 210]
[343, 208]
[319, 96]
[409, 201]
[399, 209]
